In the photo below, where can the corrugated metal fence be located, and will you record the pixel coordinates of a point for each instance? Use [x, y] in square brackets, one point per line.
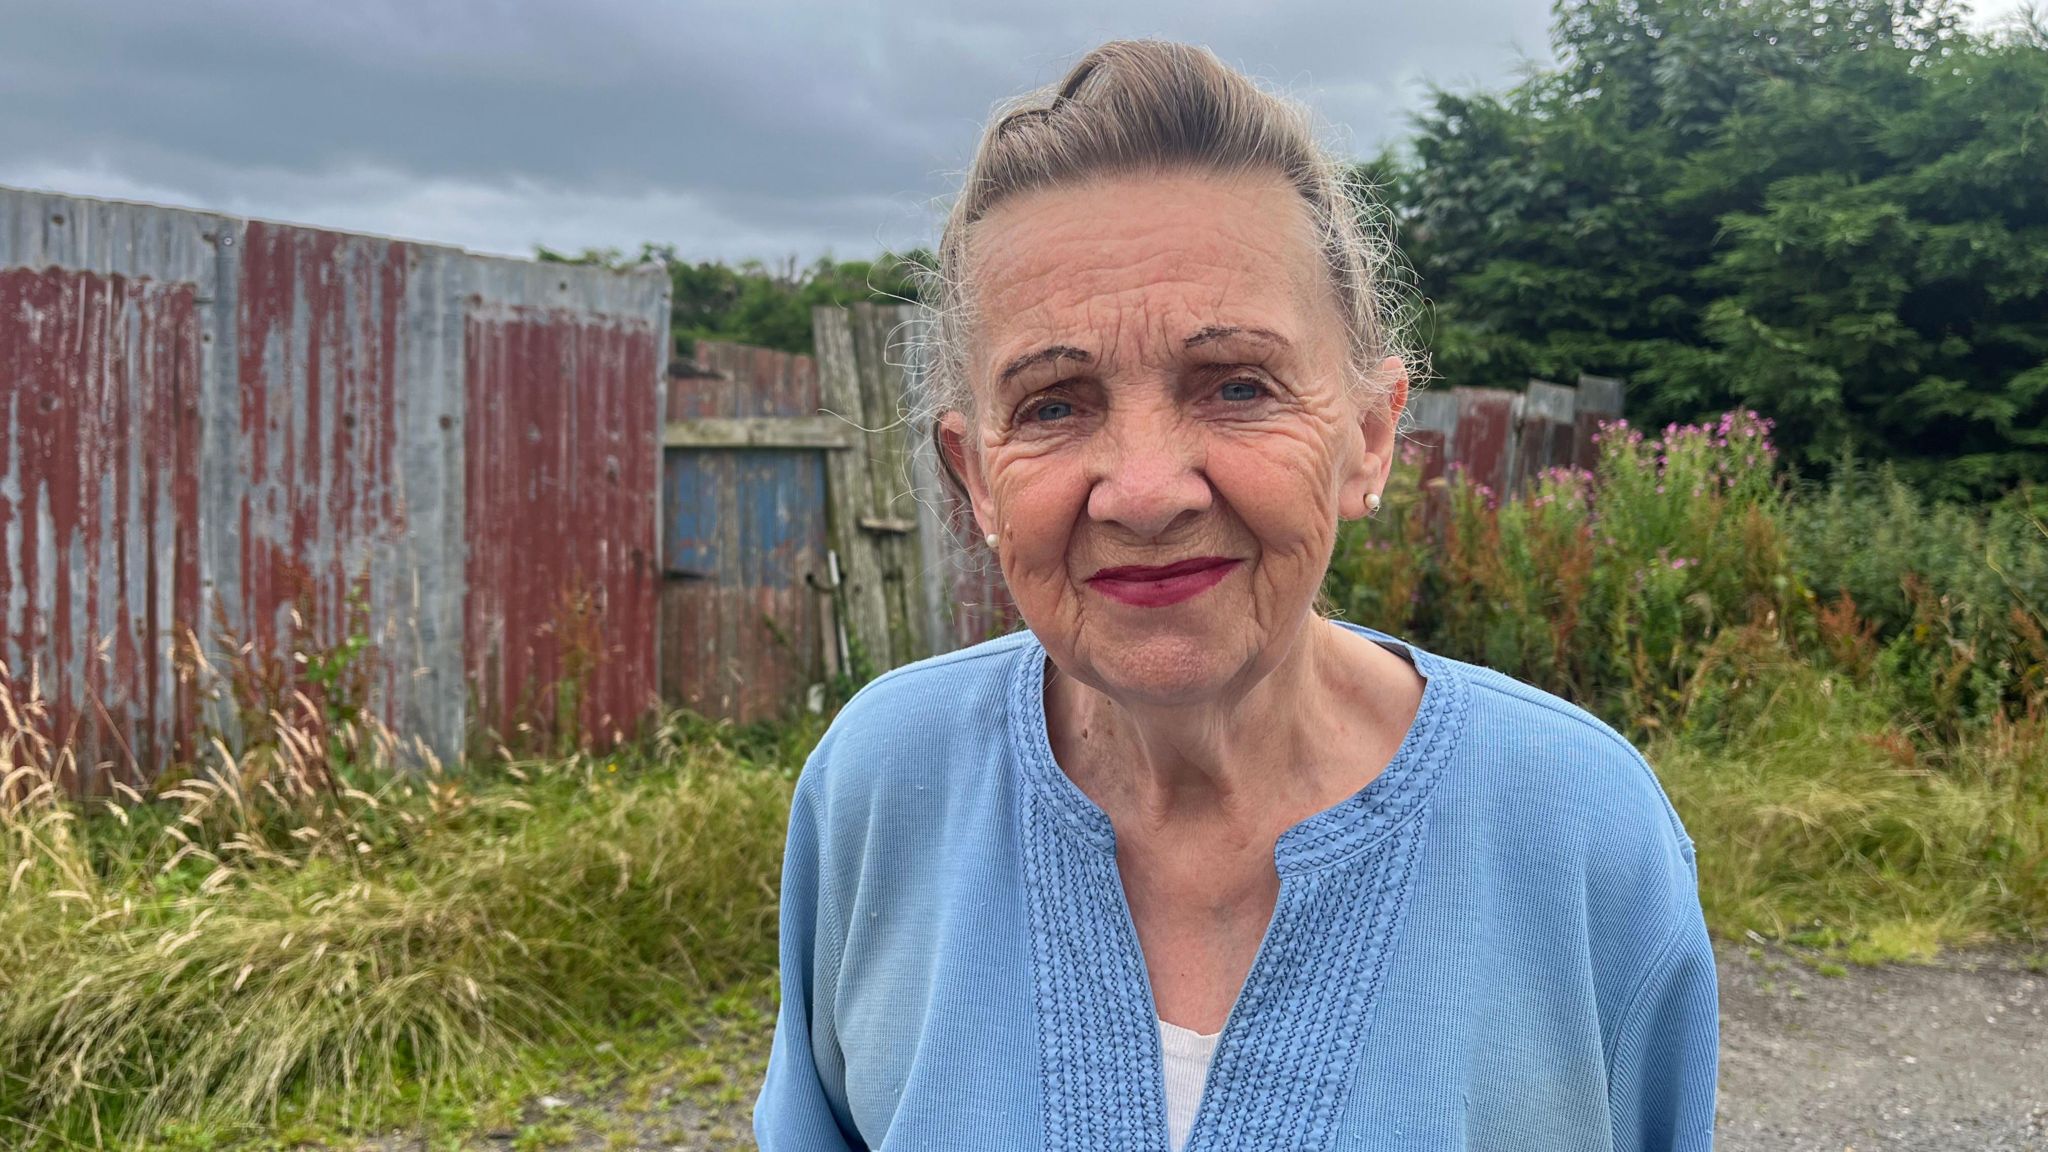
[1504, 439]
[242, 428]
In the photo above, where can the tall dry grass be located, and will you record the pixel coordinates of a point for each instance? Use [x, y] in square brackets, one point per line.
[323, 915]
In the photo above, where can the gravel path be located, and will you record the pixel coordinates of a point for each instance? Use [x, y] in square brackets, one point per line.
[1951, 1058]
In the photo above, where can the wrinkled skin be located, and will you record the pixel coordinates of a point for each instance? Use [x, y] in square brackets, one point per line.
[1115, 423]
[1151, 451]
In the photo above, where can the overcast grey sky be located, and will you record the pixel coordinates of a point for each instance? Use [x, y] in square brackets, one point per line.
[730, 130]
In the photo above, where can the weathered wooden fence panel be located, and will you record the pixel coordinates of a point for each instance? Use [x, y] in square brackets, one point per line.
[1599, 400]
[1483, 444]
[214, 423]
[1548, 431]
[1506, 440]
[746, 624]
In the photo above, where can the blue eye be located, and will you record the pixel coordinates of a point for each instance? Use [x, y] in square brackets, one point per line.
[1052, 410]
[1242, 390]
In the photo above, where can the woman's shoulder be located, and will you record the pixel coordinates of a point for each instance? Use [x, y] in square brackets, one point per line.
[1569, 814]
[1538, 785]
[1547, 749]
[1564, 792]
[920, 720]
[1584, 742]
[1540, 741]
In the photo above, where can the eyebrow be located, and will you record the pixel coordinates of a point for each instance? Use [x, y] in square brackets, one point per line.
[1043, 356]
[1226, 331]
[1206, 335]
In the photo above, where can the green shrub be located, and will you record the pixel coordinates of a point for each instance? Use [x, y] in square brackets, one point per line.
[1622, 588]
[1955, 596]
[1606, 587]
[1844, 687]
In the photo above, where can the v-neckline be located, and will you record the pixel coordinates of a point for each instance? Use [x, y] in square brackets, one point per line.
[1296, 1023]
[1319, 839]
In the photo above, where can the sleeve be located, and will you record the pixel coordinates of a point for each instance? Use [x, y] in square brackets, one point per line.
[1667, 1053]
[802, 1106]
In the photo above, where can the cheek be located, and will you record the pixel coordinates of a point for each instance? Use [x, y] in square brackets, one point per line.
[1283, 490]
[1038, 499]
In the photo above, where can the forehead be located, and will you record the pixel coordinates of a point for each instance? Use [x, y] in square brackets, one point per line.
[1147, 258]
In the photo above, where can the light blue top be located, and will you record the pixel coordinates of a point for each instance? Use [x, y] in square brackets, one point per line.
[1496, 944]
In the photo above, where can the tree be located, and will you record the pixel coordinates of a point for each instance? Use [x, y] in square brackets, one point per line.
[1834, 212]
[751, 303]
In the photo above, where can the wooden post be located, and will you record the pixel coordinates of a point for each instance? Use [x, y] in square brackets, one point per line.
[865, 378]
[846, 485]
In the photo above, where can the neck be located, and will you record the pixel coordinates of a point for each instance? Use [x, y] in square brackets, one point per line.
[1258, 759]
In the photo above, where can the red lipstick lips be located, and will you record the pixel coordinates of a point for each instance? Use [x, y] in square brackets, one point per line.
[1149, 586]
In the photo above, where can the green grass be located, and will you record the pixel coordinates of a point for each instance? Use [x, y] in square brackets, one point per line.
[687, 1075]
[152, 992]
[1820, 822]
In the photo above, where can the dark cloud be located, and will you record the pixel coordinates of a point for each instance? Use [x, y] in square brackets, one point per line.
[728, 129]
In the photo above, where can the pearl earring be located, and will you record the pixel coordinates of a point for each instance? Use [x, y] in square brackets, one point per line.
[990, 540]
[1372, 503]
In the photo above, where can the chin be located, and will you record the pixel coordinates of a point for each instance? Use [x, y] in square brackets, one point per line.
[1161, 670]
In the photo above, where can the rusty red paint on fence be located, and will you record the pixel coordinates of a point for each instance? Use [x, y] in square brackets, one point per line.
[1541, 446]
[212, 423]
[1427, 452]
[319, 336]
[98, 506]
[740, 380]
[1483, 444]
[560, 486]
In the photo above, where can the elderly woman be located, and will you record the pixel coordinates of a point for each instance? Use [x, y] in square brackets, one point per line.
[1188, 865]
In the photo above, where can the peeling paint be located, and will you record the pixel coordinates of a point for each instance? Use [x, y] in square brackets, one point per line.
[209, 419]
[561, 449]
[94, 372]
[744, 539]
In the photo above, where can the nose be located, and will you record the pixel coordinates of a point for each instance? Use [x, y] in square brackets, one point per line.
[1148, 473]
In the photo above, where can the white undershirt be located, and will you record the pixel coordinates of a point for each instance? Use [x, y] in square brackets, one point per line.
[1187, 1066]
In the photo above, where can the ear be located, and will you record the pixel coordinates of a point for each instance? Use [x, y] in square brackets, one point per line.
[1366, 469]
[955, 446]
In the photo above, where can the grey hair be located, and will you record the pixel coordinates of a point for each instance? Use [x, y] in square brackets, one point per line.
[1136, 106]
